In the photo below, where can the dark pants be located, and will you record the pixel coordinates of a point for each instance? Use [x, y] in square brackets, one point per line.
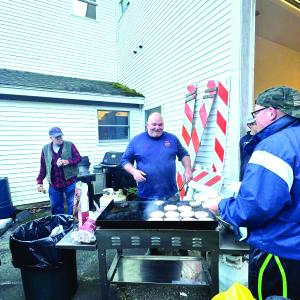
[272, 279]
[57, 199]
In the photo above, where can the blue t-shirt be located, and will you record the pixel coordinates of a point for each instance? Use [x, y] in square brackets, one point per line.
[157, 158]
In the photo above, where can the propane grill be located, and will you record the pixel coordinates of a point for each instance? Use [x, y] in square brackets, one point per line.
[116, 177]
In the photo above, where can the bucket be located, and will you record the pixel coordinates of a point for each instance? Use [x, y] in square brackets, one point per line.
[6, 207]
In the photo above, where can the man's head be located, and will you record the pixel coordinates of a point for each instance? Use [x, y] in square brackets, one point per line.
[56, 135]
[155, 125]
[274, 103]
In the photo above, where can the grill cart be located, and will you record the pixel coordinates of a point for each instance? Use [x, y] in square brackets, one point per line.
[128, 227]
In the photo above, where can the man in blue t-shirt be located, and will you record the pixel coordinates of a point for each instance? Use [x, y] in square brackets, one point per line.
[155, 153]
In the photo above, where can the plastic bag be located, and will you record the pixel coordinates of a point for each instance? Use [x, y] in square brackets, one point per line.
[32, 244]
[85, 234]
[236, 292]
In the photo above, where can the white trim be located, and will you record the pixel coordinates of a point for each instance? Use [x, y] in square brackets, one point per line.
[274, 164]
[35, 92]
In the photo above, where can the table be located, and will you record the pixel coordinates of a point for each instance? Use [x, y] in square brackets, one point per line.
[68, 243]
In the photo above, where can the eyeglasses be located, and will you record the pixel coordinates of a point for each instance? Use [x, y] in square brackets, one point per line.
[255, 112]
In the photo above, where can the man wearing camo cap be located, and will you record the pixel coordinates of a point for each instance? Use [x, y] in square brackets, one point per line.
[268, 203]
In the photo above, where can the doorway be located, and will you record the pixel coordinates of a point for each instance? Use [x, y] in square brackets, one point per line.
[277, 44]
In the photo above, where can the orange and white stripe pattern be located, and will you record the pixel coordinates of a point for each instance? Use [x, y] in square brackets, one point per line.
[189, 108]
[221, 130]
[200, 124]
[208, 178]
[214, 178]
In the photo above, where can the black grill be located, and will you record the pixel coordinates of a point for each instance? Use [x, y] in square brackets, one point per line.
[112, 159]
[116, 176]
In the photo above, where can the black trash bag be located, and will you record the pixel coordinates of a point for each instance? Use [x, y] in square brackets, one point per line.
[32, 246]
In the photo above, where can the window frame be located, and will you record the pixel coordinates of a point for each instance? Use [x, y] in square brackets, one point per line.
[124, 126]
[89, 2]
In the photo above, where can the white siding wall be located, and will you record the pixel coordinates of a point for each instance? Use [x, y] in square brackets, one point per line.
[44, 37]
[184, 42]
[24, 130]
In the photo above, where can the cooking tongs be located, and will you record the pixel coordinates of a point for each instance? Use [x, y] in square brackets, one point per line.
[182, 186]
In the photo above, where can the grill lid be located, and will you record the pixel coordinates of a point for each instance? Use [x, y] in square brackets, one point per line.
[112, 158]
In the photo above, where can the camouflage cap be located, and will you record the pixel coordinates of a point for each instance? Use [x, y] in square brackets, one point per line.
[282, 97]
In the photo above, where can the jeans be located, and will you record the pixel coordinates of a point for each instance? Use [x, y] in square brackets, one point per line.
[56, 196]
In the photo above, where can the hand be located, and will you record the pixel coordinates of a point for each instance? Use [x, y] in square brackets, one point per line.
[188, 175]
[212, 204]
[64, 162]
[139, 176]
[40, 188]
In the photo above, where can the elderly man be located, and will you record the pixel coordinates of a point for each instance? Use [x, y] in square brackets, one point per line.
[268, 203]
[155, 153]
[59, 161]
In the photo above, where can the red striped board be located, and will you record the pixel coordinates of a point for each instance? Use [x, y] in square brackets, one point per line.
[187, 126]
[200, 122]
[221, 127]
[196, 125]
[208, 178]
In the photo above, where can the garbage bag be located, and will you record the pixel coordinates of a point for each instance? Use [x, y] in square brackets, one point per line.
[236, 292]
[32, 245]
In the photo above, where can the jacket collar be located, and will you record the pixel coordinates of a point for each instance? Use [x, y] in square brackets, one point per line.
[278, 125]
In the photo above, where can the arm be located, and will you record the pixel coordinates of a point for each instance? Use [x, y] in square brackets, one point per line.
[127, 163]
[185, 159]
[138, 175]
[264, 193]
[42, 173]
[188, 174]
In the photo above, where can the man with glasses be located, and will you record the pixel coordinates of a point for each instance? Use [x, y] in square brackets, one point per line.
[268, 203]
[244, 156]
[59, 161]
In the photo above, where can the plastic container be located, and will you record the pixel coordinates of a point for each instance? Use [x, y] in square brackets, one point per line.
[6, 208]
[47, 272]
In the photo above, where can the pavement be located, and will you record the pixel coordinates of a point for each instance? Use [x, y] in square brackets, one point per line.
[11, 286]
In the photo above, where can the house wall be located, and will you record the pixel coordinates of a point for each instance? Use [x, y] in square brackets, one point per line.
[286, 70]
[24, 130]
[45, 37]
[184, 42]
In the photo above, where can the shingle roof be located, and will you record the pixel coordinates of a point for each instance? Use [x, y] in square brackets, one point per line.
[18, 79]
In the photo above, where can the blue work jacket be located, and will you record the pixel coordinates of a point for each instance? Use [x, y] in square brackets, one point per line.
[268, 203]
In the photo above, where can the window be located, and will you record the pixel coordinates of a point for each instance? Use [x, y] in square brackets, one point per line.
[123, 6]
[113, 125]
[85, 8]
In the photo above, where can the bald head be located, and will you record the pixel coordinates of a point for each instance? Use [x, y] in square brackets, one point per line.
[155, 125]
